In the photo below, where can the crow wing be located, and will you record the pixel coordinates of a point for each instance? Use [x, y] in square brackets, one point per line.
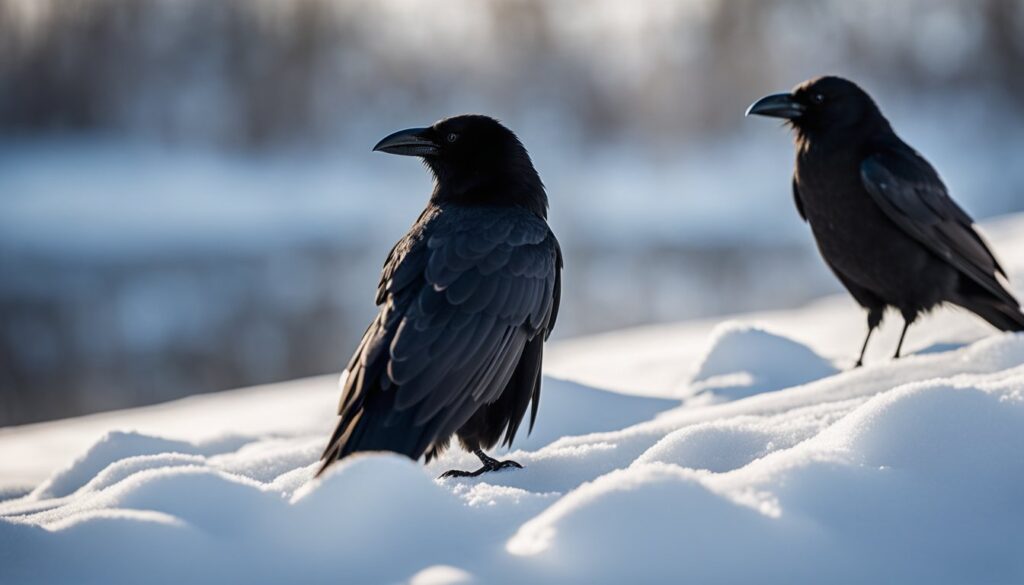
[913, 196]
[460, 297]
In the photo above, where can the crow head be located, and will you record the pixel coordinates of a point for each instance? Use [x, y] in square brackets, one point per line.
[475, 161]
[825, 105]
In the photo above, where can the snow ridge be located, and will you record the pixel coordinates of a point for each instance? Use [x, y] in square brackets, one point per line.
[906, 471]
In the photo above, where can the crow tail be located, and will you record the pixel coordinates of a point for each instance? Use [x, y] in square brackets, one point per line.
[1000, 314]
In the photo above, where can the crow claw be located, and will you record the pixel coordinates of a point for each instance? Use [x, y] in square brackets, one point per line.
[489, 464]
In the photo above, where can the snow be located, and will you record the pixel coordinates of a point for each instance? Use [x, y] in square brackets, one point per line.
[744, 360]
[744, 451]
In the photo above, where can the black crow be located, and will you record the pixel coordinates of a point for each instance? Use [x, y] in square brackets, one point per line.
[467, 299]
[881, 216]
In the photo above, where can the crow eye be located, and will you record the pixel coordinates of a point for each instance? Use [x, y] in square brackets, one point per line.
[453, 137]
[818, 98]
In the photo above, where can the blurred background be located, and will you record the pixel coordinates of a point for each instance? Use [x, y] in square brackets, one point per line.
[188, 201]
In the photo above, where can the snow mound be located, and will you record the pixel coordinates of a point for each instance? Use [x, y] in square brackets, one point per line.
[114, 446]
[715, 447]
[905, 471]
[744, 360]
[441, 575]
[920, 484]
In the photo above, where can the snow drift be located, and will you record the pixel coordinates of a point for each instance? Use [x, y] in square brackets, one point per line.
[917, 482]
[736, 454]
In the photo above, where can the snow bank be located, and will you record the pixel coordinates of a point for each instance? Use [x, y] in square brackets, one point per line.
[847, 479]
[919, 484]
[711, 455]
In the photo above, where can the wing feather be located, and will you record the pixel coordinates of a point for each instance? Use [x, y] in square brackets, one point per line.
[461, 297]
[911, 194]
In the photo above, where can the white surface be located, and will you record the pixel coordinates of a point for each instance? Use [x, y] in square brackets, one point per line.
[907, 471]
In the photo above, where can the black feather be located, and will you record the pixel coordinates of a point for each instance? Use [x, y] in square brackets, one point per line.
[881, 216]
[467, 298]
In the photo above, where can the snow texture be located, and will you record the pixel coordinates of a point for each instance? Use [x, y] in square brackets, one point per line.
[745, 360]
[724, 454]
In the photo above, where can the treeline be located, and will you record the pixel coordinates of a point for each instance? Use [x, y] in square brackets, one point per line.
[251, 73]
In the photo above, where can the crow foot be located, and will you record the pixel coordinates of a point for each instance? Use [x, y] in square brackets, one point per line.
[489, 464]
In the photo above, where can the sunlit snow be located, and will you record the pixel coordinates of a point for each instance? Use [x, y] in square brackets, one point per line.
[699, 452]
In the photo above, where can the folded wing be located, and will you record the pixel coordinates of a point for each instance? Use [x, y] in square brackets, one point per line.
[460, 298]
[911, 194]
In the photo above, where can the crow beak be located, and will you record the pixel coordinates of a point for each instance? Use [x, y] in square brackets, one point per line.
[409, 142]
[779, 105]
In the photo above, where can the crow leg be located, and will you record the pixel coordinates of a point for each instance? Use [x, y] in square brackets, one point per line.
[489, 464]
[874, 320]
[906, 325]
[864, 348]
